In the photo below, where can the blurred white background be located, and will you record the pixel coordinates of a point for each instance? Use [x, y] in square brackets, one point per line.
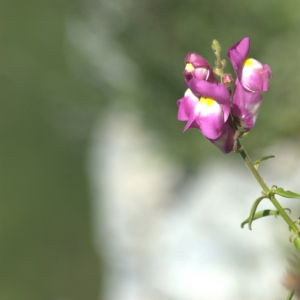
[167, 236]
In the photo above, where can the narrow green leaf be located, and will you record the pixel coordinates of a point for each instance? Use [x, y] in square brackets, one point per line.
[253, 210]
[259, 160]
[286, 194]
[264, 213]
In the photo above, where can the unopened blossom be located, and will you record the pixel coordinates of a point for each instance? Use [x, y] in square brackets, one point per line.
[227, 80]
[197, 67]
[206, 107]
[252, 80]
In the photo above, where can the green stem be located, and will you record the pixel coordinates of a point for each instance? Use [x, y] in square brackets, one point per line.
[290, 295]
[264, 186]
[266, 189]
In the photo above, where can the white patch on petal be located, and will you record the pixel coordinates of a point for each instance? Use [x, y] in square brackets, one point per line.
[208, 106]
[251, 68]
[160, 239]
[189, 93]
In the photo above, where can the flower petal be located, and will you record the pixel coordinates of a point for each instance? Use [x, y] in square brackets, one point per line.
[226, 140]
[197, 67]
[238, 53]
[186, 105]
[255, 76]
[245, 106]
[196, 60]
[192, 122]
[209, 116]
[216, 91]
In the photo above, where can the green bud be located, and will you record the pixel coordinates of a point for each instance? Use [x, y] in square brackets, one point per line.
[216, 46]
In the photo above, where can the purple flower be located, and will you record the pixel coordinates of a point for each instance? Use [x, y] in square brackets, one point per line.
[252, 80]
[197, 67]
[206, 106]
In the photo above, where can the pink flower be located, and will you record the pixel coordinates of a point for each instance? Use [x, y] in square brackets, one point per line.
[206, 107]
[206, 104]
[252, 80]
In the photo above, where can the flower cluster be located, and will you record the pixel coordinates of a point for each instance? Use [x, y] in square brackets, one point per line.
[206, 104]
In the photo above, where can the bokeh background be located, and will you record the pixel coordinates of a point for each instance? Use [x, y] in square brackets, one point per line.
[64, 65]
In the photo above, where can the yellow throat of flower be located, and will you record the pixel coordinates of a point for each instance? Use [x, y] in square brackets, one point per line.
[207, 101]
[189, 67]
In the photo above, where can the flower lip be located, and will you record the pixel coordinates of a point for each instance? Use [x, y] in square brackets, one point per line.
[209, 116]
[186, 105]
[255, 76]
[204, 114]
[216, 91]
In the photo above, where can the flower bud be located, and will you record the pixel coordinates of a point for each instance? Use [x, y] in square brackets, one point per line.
[227, 80]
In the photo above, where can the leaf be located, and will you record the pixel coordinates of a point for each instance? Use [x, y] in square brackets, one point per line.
[286, 194]
[253, 210]
[259, 160]
[264, 213]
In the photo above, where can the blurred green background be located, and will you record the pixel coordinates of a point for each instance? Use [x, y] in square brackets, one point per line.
[63, 63]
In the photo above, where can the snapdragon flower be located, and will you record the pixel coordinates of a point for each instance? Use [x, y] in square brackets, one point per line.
[252, 80]
[206, 106]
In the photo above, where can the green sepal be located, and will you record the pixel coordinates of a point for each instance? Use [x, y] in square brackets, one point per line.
[259, 160]
[264, 213]
[286, 194]
[243, 134]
